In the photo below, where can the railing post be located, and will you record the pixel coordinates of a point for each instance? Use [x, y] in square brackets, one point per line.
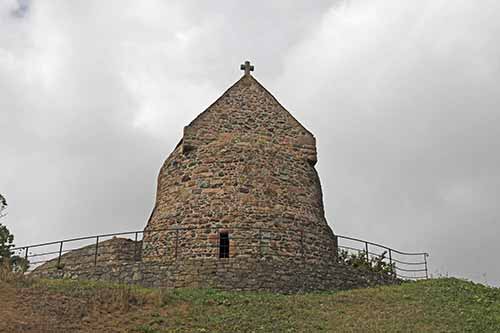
[260, 243]
[366, 250]
[60, 253]
[176, 242]
[302, 242]
[336, 244]
[135, 246]
[390, 261]
[26, 254]
[96, 250]
[425, 261]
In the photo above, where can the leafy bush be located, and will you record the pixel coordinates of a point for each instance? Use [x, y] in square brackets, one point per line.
[7, 257]
[360, 260]
[6, 243]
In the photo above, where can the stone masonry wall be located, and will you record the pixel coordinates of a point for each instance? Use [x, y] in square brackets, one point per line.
[243, 163]
[112, 251]
[229, 274]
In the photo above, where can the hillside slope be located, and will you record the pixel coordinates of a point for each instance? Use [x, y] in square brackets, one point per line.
[440, 305]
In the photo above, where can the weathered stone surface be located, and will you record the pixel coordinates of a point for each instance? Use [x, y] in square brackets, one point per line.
[245, 162]
[230, 274]
[115, 250]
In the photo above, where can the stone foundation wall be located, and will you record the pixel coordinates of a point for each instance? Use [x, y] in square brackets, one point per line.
[113, 251]
[264, 274]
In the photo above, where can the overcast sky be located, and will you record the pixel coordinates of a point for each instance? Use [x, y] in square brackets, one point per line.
[402, 96]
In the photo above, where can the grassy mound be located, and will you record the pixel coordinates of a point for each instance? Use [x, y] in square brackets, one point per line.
[439, 305]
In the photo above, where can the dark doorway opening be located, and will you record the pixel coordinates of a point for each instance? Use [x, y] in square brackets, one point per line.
[224, 245]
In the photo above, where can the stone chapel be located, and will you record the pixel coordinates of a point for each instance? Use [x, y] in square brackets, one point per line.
[238, 207]
[241, 182]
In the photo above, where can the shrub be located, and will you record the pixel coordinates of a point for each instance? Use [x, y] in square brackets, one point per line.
[360, 260]
[7, 257]
[6, 244]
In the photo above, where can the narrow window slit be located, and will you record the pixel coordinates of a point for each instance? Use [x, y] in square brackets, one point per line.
[224, 245]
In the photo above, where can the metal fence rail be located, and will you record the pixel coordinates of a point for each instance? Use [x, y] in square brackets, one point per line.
[404, 265]
[412, 264]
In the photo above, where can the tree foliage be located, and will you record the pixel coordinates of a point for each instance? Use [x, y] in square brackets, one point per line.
[7, 257]
[3, 205]
[6, 238]
[6, 243]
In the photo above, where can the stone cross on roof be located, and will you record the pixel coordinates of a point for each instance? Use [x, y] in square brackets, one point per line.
[247, 67]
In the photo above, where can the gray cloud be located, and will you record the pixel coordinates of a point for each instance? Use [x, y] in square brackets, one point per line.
[401, 95]
[22, 8]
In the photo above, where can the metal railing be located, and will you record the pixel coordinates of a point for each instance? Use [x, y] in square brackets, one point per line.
[404, 265]
[92, 249]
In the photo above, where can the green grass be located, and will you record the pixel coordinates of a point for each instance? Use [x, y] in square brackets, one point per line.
[438, 305]
[88, 287]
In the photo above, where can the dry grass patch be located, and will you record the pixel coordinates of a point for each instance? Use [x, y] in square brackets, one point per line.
[443, 305]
